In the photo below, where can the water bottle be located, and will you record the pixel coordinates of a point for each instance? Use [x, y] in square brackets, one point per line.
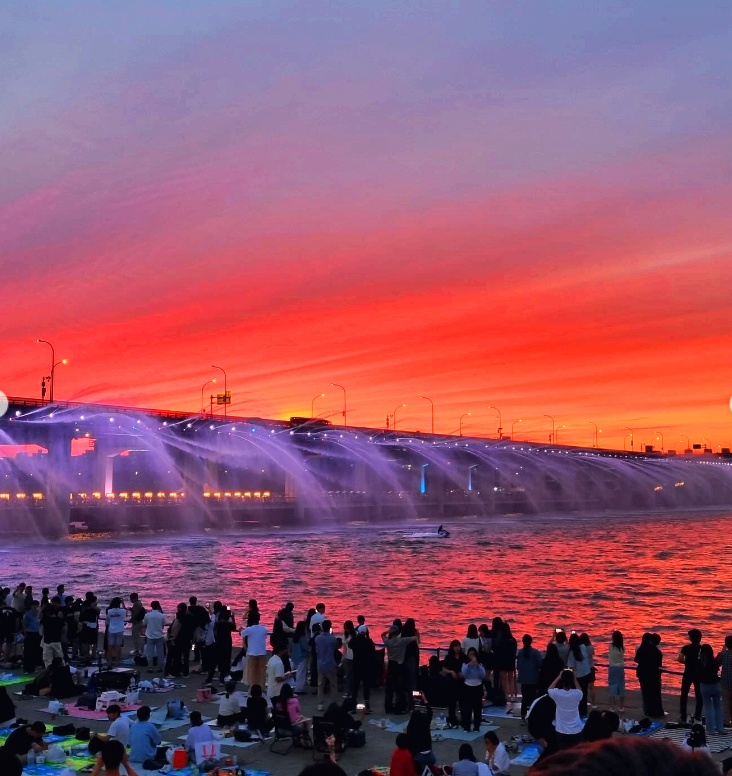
[40, 758]
[31, 757]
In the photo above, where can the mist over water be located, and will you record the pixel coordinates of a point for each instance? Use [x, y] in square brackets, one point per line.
[662, 573]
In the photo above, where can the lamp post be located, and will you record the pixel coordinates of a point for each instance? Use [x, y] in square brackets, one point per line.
[312, 404]
[564, 425]
[661, 435]
[338, 385]
[500, 424]
[432, 404]
[393, 414]
[464, 415]
[53, 373]
[596, 441]
[213, 366]
[208, 382]
[53, 360]
[551, 439]
[707, 446]
[513, 424]
[628, 428]
[625, 437]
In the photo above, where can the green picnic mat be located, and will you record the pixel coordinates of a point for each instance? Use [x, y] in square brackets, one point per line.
[16, 680]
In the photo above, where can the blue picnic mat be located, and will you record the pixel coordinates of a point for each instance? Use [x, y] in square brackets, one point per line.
[529, 756]
[654, 726]
[458, 734]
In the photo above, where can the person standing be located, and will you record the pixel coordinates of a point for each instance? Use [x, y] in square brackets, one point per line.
[325, 649]
[452, 668]
[616, 671]
[578, 660]
[255, 643]
[154, 630]
[725, 660]
[649, 660]
[349, 631]
[689, 656]
[137, 620]
[89, 621]
[180, 636]
[300, 655]
[223, 629]
[363, 665]
[472, 696]
[53, 625]
[566, 693]
[116, 616]
[710, 689]
[396, 647]
[528, 663]
[277, 673]
[32, 656]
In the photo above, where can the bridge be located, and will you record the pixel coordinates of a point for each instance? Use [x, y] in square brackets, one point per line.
[107, 467]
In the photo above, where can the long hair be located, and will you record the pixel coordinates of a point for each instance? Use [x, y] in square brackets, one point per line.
[466, 753]
[574, 646]
[697, 737]
[617, 641]
[706, 655]
[472, 631]
[300, 630]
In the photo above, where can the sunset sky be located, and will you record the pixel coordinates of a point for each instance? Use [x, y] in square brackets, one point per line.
[526, 204]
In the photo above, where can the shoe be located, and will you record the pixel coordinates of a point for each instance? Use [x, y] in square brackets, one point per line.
[321, 707]
[476, 729]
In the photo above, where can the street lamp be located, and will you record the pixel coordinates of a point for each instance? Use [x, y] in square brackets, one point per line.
[213, 366]
[596, 441]
[393, 414]
[338, 385]
[661, 435]
[513, 424]
[707, 446]
[427, 398]
[500, 425]
[688, 443]
[631, 437]
[564, 425]
[551, 439]
[53, 360]
[53, 372]
[312, 404]
[208, 382]
[464, 415]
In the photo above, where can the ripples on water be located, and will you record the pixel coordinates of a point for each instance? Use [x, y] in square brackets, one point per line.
[658, 573]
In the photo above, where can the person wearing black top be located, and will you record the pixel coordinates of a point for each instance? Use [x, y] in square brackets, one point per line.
[221, 659]
[420, 737]
[53, 625]
[452, 669]
[363, 650]
[180, 637]
[711, 691]
[411, 661]
[25, 738]
[689, 656]
[7, 708]
[649, 659]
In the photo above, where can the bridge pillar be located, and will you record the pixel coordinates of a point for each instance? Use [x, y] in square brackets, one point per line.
[58, 444]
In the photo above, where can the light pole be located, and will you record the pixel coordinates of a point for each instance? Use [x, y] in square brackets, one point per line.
[661, 435]
[596, 441]
[53, 360]
[625, 437]
[312, 404]
[513, 424]
[500, 424]
[393, 414]
[338, 385]
[564, 425]
[464, 415]
[551, 439]
[433, 410]
[707, 446]
[628, 428]
[53, 372]
[213, 366]
[208, 382]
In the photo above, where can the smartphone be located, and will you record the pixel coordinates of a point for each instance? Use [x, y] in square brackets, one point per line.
[558, 630]
[416, 694]
[360, 706]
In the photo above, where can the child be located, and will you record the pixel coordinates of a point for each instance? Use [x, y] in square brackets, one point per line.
[402, 762]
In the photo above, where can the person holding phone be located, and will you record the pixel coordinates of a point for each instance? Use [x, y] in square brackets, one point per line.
[566, 693]
[277, 675]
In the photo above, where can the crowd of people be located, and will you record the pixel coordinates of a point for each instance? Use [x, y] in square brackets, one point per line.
[555, 685]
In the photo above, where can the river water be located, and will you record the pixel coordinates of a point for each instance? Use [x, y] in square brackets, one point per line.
[663, 573]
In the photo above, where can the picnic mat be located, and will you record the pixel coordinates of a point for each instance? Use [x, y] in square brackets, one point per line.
[171, 724]
[231, 742]
[24, 679]
[501, 712]
[529, 756]
[458, 734]
[679, 735]
[652, 729]
[80, 713]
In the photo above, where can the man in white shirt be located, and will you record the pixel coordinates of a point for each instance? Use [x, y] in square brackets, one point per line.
[318, 618]
[119, 730]
[154, 625]
[198, 734]
[255, 643]
[276, 675]
[116, 616]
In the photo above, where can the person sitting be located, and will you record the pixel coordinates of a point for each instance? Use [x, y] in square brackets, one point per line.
[144, 737]
[112, 756]
[25, 738]
[600, 725]
[540, 723]
[287, 703]
[496, 754]
[420, 736]
[627, 755]
[257, 712]
[41, 684]
[466, 764]
[119, 729]
[198, 734]
[402, 762]
[229, 707]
